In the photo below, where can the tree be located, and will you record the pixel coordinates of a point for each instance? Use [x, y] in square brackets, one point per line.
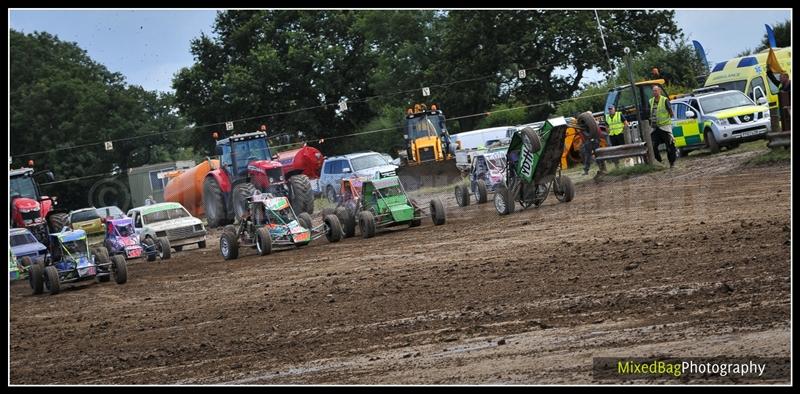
[61, 98]
[266, 62]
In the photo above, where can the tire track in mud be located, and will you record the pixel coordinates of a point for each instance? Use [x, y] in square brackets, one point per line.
[688, 264]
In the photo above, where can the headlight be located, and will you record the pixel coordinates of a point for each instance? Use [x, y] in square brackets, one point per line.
[721, 122]
[198, 227]
[766, 114]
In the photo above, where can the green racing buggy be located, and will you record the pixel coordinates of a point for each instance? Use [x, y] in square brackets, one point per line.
[533, 168]
[380, 203]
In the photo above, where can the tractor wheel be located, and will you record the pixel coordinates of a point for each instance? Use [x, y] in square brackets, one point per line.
[367, 223]
[438, 214]
[241, 193]
[711, 142]
[328, 211]
[229, 245]
[588, 122]
[305, 220]
[302, 196]
[263, 242]
[214, 203]
[150, 247]
[347, 221]
[36, 278]
[531, 139]
[51, 280]
[164, 251]
[334, 233]
[503, 201]
[564, 188]
[482, 193]
[57, 221]
[120, 269]
[462, 196]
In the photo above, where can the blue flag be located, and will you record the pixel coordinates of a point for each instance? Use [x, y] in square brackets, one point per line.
[771, 37]
[701, 53]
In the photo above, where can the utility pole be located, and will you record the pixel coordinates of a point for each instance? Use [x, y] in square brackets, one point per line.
[644, 129]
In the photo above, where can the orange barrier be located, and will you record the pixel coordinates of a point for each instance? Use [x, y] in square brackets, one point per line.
[186, 186]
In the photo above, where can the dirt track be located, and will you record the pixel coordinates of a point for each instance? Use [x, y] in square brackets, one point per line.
[694, 265]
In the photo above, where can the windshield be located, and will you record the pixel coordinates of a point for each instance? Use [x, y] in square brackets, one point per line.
[124, 231]
[369, 161]
[284, 216]
[110, 211]
[23, 186]
[719, 102]
[84, 216]
[734, 85]
[167, 214]
[496, 163]
[22, 239]
[391, 191]
[250, 150]
[75, 247]
[422, 127]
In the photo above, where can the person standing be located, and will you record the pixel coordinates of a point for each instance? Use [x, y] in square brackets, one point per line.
[616, 125]
[661, 121]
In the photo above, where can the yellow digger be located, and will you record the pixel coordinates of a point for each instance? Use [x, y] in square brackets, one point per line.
[429, 156]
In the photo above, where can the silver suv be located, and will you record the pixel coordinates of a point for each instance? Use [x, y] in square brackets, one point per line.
[362, 164]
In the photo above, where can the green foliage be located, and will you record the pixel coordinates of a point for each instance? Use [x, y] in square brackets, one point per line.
[59, 98]
[773, 156]
[591, 98]
[637, 169]
[264, 62]
[676, 59]
[500, 115]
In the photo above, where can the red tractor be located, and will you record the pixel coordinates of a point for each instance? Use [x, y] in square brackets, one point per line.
[31, 210]
[219, 189]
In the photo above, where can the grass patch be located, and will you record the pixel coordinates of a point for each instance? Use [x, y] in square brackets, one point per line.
[638, 169]
[774, 156]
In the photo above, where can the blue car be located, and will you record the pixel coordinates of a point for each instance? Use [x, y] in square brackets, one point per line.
[24, 244]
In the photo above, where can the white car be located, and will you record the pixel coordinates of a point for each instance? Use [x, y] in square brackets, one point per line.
[171, 220]
[364, 164]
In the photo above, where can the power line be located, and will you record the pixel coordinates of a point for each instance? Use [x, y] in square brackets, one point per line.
[379, 130]
[364, 100]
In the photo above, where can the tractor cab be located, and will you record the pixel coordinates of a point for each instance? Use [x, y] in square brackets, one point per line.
[244, 156]
[426, 134]
[387, 196]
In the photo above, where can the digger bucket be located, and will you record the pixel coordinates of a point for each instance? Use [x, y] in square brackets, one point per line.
[429, 174]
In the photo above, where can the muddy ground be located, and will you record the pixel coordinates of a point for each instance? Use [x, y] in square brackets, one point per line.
[687, 262]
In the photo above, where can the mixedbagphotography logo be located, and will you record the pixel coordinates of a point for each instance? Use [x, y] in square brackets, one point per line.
[690, 369]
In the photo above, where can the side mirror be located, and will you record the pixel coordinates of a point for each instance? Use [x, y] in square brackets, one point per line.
[762, 100]
[690, 114]
[346, 170]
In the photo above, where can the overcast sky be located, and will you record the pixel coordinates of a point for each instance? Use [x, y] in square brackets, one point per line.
[148, 47]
